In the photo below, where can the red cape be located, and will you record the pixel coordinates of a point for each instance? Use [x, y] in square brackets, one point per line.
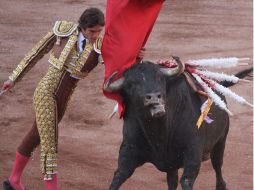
[128, 25]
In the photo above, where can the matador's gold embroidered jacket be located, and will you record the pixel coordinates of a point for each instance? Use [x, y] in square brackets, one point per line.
[69, 57]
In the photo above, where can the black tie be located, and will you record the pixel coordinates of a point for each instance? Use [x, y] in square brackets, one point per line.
[83, 44]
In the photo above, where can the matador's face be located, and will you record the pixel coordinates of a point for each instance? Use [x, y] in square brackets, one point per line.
[92, 33]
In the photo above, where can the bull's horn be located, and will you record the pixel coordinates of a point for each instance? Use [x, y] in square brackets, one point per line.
[110, 86]
[174, 71]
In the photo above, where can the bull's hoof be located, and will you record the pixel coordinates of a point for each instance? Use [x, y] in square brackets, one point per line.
[221, 186]
[7, 185]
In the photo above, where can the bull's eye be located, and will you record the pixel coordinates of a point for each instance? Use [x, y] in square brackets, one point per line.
[148, 97]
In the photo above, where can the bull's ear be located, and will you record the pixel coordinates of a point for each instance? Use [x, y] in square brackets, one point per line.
[174, 71]
[112, 86]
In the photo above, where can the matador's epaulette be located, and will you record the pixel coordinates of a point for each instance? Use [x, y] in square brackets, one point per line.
[97, 45]
[64, 28]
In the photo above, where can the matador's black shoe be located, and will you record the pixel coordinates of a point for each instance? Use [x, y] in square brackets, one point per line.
[7, 185]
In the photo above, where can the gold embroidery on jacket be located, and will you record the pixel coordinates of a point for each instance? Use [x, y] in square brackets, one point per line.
[70, 45]
[97, 45]
[64, 28]
[80, 62]
[70, 58]
[32, 57]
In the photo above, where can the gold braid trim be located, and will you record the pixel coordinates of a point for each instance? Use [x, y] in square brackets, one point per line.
[48, 165]
[97, 45]
[79, 64]
[76, 62]
[33, 56]
[59, 63]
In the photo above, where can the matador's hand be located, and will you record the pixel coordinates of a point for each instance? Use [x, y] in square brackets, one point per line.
[9, 84]
[141, 54]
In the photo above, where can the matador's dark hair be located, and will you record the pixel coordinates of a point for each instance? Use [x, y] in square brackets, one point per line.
[91, 17]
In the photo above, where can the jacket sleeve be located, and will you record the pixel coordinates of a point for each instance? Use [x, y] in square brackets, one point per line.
[33, 56]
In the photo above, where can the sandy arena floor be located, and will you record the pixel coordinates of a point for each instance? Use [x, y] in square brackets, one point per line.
[88, 141]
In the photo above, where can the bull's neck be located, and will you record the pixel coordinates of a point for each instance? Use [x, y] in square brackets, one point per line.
[156, 132]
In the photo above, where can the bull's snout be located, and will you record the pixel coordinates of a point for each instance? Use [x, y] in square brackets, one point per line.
[155, 103]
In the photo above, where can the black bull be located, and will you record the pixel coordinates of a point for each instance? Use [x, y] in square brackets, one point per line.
[160, 127]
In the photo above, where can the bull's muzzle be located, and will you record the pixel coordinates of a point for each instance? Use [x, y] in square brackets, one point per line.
[155, 103]
[157, 110]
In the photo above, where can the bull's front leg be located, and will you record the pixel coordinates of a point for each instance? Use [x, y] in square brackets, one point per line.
[191, 166]
[128, 161]
[172, 179]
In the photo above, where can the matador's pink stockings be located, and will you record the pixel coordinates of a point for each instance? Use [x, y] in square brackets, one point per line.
[17, 170]
[51, 184]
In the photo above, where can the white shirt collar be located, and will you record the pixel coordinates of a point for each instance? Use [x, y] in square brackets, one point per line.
[81, 37]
